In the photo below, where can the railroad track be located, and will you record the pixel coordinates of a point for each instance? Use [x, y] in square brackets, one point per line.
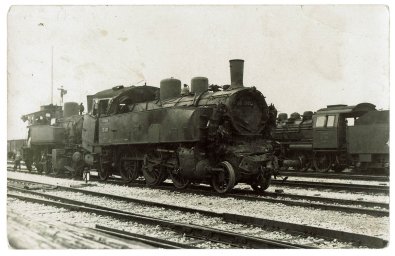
[383, 189]
[340, 176]
[335, 204]
[323, 203]
[153, 241]
[377, 189]
[328, 175]
[40, 233]
[191, 230]
[334, 186]
[343, 205]
[296, 229]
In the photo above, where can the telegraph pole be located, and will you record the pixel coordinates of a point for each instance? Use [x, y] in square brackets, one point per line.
[52, 74]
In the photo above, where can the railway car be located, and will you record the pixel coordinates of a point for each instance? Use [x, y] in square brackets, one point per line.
[368, 141]
[42, 136]
[52, 131]
[335, 137]
[212, 134]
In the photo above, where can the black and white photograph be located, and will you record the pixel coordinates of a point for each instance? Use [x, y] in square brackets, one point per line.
[197, 126]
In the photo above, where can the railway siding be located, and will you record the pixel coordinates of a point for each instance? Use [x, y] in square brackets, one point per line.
[192, 230]
[273, 224]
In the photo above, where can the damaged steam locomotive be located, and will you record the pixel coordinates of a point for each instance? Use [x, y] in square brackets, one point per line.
[214, 135]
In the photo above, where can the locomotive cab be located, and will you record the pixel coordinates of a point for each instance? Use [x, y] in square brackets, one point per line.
[329, 125]
[326, 131]
[330, 134]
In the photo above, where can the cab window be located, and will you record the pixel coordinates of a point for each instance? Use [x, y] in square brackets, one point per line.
[100, 107]
[350, 121]
[320, 122]
[103, 104]
[331, 121]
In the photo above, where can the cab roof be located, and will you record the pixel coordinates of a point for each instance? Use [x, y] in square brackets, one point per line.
[348, 110]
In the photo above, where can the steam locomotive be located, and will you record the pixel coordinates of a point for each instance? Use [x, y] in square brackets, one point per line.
[336, 137]
[212, 134]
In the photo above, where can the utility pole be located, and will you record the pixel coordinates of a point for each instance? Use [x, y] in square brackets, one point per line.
[52, 75]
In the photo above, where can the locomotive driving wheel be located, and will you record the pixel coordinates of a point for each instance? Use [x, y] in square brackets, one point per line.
[154, 175]
[339, 167]
[178, 180]
[78, 168]
[36, 161]
[224, 181]
[103, 169]
[39, 167]
[47, 166]
[129, 170]
[305, 167]
[339, 163]
[261, 183]
[322, 161]
[28, 164]
[45, 162]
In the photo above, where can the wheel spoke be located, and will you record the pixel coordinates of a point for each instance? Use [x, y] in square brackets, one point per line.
[154, 175]
[322, 162]
[129, 169]
[178, 180]
[224, 181]
[103, 170]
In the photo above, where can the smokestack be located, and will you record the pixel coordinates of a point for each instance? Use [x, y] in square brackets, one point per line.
[236, 73]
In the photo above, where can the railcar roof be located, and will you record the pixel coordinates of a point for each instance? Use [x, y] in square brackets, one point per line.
[133, 94]
[120, 89]
[46, 109]
[344, 109]
[109, 93]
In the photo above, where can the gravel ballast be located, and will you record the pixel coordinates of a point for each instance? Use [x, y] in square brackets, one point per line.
[89, 220]
[356, 223]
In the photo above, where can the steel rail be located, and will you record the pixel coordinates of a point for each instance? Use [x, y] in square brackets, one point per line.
[327, 175]
[348, 209]
[265, 223]
[304, 184]
[272, 198]
[156, 242]
[196, 231]
[333, 186]
[256, 196]
[340, 176]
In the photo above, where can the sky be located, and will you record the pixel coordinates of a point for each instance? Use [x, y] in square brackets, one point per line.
[300, 57]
